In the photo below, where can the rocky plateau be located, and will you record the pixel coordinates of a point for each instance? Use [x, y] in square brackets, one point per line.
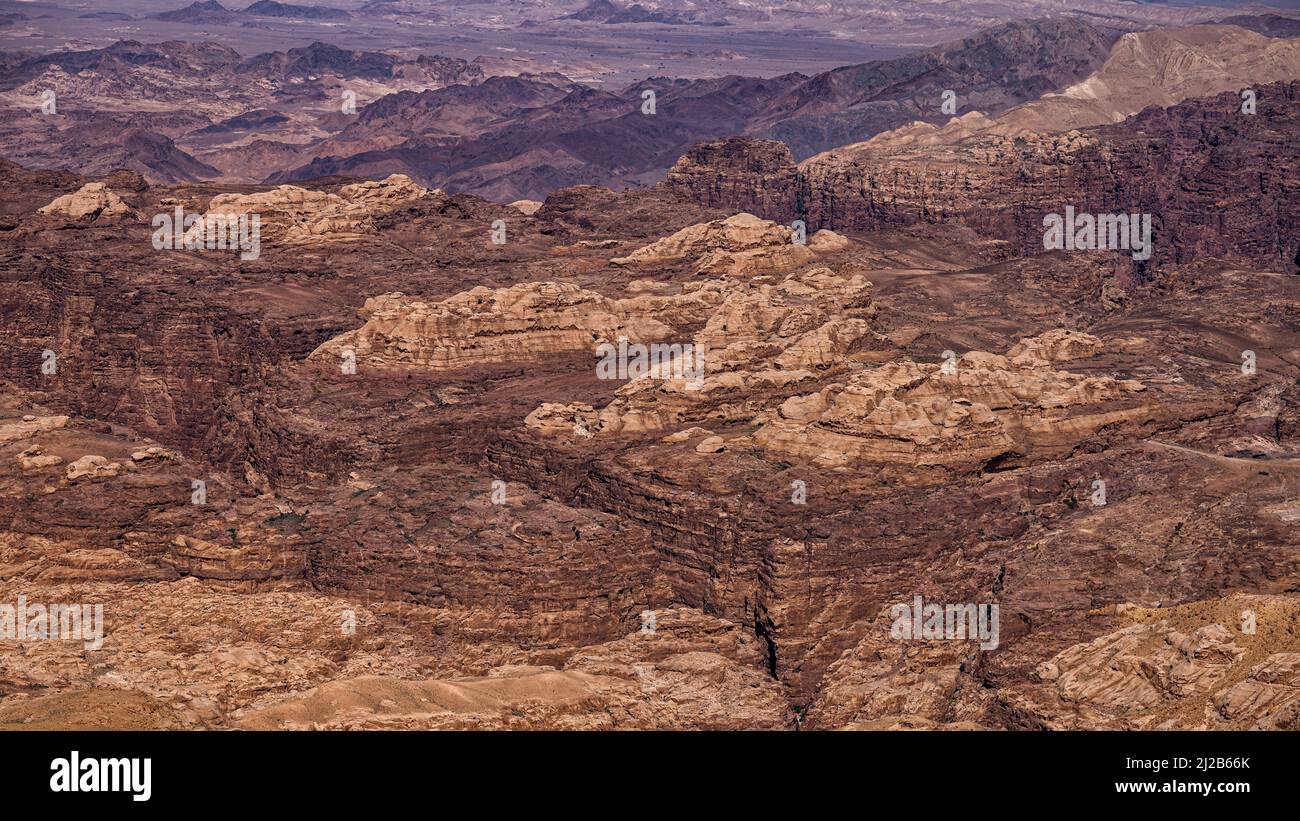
[487, 437]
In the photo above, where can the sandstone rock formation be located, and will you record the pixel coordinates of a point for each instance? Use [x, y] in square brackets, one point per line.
[476, 528]
[881, 684]
[484, 325]
[92, 201]
[29, 425]
[558, 419]
[296, 215]
[35, 458]
[740, 245]
[154, 454]
[723, 172]
[1145, 68]
[92, 467]
[665, 678]
[974, 177]
[763, 336]
[973, 409]
[1229, 663]
[826, 242]
[526, 207]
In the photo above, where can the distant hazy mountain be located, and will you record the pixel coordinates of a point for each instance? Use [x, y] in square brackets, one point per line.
[603, 11]
[523, 139]
[200, 12]
[1270, 25]
[212, 11]
[270, 8]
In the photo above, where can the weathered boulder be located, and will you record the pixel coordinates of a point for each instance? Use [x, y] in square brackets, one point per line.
[92, 467]
[92, 201]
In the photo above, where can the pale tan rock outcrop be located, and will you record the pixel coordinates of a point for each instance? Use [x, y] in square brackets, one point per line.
[526, 207]
[648, 405]
[690, 305]
[295, 215]
[881, 683]
[34, 458]
[743, 328]
[691, 671]
[92, 200]
[773, 259]
[1268, 699]
[558, 419]
[913, 413]
[385, 194]
[1142, 666]
[374, 701]
[711, 444]
[740, 245]
[773, 335]
[803, 321]
[684, 435]
[1057, 345]
[92, 467]
[30, 426]
[763, 336]
[1231, 663]
[826, 344]
[739, 232]
[484, 325]
[827, 241]
[154, 455]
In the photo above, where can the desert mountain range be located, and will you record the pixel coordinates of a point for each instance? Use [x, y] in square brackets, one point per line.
[370, 471]
[448, 123]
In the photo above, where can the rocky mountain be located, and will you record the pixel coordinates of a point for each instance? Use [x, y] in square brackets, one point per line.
[271, 8]
[201, 11]
[503, 142]
[259, 119]
[405, 449]
[103, 145]
[1002, 175]
[1144, 69]
[604, 138]
[117, 62]
[321, 58]
[204, 98]
[185, 64]
[362, 451]
[211, 11]
[1004, 187]
[603, 11]
[1271, 25]
[991, 71]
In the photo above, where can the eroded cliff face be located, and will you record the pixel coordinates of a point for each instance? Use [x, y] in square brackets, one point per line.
[469, 523]
[927, 433]
[297, 216]
[739, 174]
[1003, 185]
[998, 407]
[485, 326]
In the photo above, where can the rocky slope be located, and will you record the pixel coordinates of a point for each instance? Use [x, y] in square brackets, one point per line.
[446, 123]
[174, 111]
[376, 476]
[1143, 69]
[1182, 165]
[603, 137]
